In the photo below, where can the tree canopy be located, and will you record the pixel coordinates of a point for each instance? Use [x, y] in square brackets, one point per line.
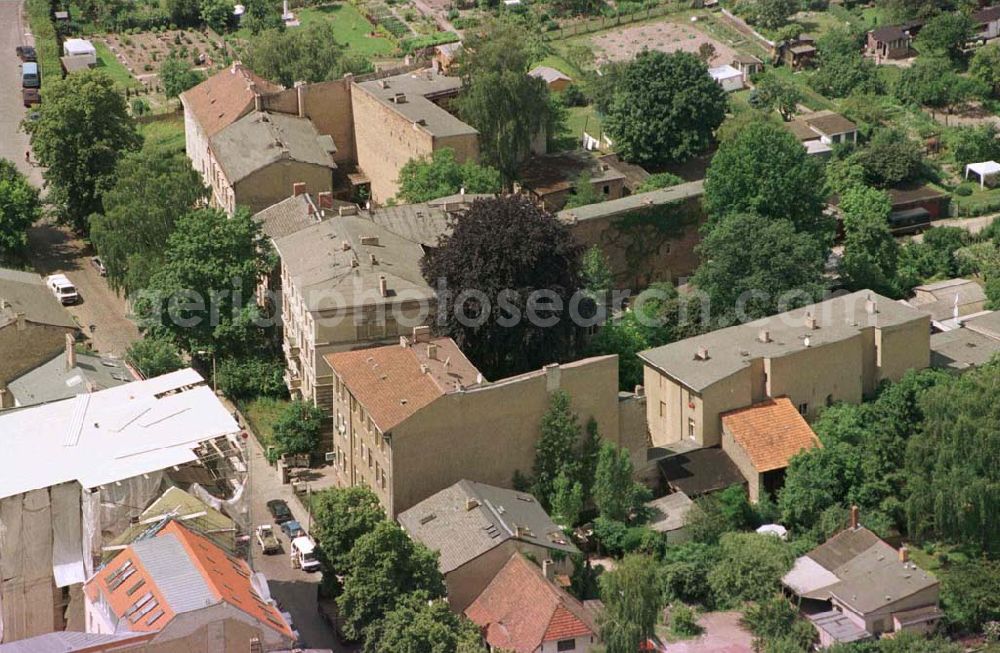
[946, 34]
[441, 175]
[632, 604]
[298, 428]
[750, 567]
[616, 495]
[891, 157]
[19, 208]
[82, 131]
[666, 107]
[341, 516]
[870, 252]
[499, 253]
[417, 625]
[773, 92]
[308, 53]
[177, 76]
[154, 356]
[843, 69]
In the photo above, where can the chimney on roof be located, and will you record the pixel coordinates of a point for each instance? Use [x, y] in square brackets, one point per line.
[298, 188]
[904, 554]
[424, 369]
[854, 517]
[403, 342]
[432, 351]
[702, 354]
[553, 377]
[471, 503]
[421, 334]
[640, 391]
[549, 570]
[3, 304]
[346, 210]
[810, 321]
[399, 98]
[806, 342]
[345, 245]
[764, 335]
[383, 83]
[871, 306]
[325, 199]
[383, 286]
[70, 351]
[371, 241]
[374, 261]
[21, 323]
[461, 191]
[258, 99]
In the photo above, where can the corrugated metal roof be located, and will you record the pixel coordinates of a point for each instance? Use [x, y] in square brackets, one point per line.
[169, 565]
[62, 642]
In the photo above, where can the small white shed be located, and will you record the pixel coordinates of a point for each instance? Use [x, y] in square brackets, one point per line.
[729, 78]
[82, 49]
[984, 169]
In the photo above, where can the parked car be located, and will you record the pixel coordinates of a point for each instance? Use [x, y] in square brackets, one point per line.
[267, 540]
[31, 96]
[99, 265]
[26, 53]
[63, 289]
[303, 554]
[292, 529]
[31, 76]
[279, 511]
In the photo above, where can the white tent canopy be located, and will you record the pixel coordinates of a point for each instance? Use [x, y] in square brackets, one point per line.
[984, 169]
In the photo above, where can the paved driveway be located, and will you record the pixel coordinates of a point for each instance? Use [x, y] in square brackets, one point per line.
[13, 142]
[723, 634]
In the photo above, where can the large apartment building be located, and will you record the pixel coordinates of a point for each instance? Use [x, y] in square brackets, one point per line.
[838, 350]
[410, 419]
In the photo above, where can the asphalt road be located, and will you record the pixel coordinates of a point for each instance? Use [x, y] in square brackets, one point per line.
[13, 142]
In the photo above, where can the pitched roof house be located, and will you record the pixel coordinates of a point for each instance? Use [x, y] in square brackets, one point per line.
[854, 587]
[948, 299]
[67, 374]
[175, 572]
[522, 610]
[820, 130]
[475, 527]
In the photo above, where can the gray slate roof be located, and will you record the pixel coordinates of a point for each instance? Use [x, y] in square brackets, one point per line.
[169, 566]
[293, 214]
[259, 139]
[62, 642]
[960, 349]
[51, 381]
[467, 519]
[733, 348]
[26, 292]
[417, 87]
[987, 324]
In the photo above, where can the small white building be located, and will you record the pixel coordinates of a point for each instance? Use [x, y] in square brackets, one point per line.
[81, 49]
[729, 78]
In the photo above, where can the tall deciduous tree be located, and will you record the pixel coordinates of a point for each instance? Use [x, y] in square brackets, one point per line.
[304, 54]
[417, 625]
[440, 175]
[383, 567]
[773, 92]
[632, 604]
[566, 501]
[82, 131]
[555, 450]
[754, 266]
[946, 34]
[150, 190]
[154, 356]
[499, 253]
[19, 208]
[870, 252]
[891, 157]
[341, 516]
[177, 76]
[508, 107]
[763, 169]
[298, 428]
[616, 494]
[665, 108]
[932, 82]
[842, 68]
[750, 567]
[985, 66]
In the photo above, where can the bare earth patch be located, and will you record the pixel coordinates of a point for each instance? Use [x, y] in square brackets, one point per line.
[143, 53]
[625, 43]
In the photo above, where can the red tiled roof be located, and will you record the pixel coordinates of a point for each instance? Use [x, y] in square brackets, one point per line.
[770, 432]
[225, 97]
[520, 610]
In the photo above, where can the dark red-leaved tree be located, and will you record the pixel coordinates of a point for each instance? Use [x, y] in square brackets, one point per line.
[487, 271]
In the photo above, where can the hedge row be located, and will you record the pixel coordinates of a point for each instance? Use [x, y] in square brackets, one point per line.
[415, 43]
[46, 41]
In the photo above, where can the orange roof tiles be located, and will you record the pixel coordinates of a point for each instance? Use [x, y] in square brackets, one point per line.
[394, 382]
[770, 432]
[225, 97]
[136, 590]
[520, 610]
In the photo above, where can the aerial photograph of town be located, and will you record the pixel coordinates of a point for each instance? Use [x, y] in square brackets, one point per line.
[499, 326]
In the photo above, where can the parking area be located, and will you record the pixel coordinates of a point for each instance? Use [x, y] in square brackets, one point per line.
[13, 142]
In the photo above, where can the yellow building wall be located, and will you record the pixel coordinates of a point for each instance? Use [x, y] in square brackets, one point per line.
[740, 458]
[328, 105]
[272, 184]
[903, 348]
[814, 374]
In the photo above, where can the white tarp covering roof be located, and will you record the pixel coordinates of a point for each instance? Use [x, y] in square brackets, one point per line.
[76, 47]
[724, 71]
[809, 579]
[110, 435]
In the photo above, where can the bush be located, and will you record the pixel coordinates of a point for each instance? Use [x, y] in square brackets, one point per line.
[964, 190]
[297, 429]
[683, 622]
[617, 538]
[154, 356]
[251, 376]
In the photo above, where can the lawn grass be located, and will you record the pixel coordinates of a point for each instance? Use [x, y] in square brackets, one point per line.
[166, 133]
[981, 202]
[563, 66]
[113, 68]
[581, 118]
[261, 414]
[350, 28]
[810, 98]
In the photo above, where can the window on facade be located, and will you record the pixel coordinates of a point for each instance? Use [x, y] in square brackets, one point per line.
[566, 645]
[690, 427]
[829, 400]
[663, 409]
[606, 190]
[803, 408]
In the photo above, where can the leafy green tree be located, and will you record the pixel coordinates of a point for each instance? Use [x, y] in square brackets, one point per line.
[308, 53]
[590, 450]
[182, 12]
[770, 14]
[764, 169]
[616, 495]
[844, 173]
[601, 88]
[985, 67]
[584, 192]
[383, 567]
[248, 376]
[260, 15]
[150, 189]
[870, 252]
[657, 181]
[932, 82]
[202, 295]
[507, 248]
[968, 594]
[946, 34]
[341, 516]
[19, 208]
[753, 266]
[417, 625]
[595, 268]
[567, 500]
[177, 76]
[154, 356]
[843, 69]
[774, 619]
[555, 450]
[684, 572]
[632, 604]
[973, 144]
[722, 512]
[775, 93]
[750, 568]
[507, 106]
[900, 10]
[665, 108]
[217, 14]
[683, 622]
[891, 157]
[298, 428]
[440, 175]
[83, 129]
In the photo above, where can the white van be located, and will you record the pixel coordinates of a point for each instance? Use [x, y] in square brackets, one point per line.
[303, 554]
[62, 288]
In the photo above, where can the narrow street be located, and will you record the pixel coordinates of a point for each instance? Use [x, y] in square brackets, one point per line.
[13, 141]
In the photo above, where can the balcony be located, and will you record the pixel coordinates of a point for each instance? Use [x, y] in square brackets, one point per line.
[293, 380]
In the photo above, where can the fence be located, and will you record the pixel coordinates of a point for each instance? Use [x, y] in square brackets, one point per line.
[605, 22]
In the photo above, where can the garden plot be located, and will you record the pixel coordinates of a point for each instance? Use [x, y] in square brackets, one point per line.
[624, 43]
[143, 53]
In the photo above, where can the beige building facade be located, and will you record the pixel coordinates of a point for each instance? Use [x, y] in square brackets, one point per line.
[836, 351]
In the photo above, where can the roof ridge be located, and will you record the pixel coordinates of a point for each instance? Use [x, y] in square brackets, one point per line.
[182, 533]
